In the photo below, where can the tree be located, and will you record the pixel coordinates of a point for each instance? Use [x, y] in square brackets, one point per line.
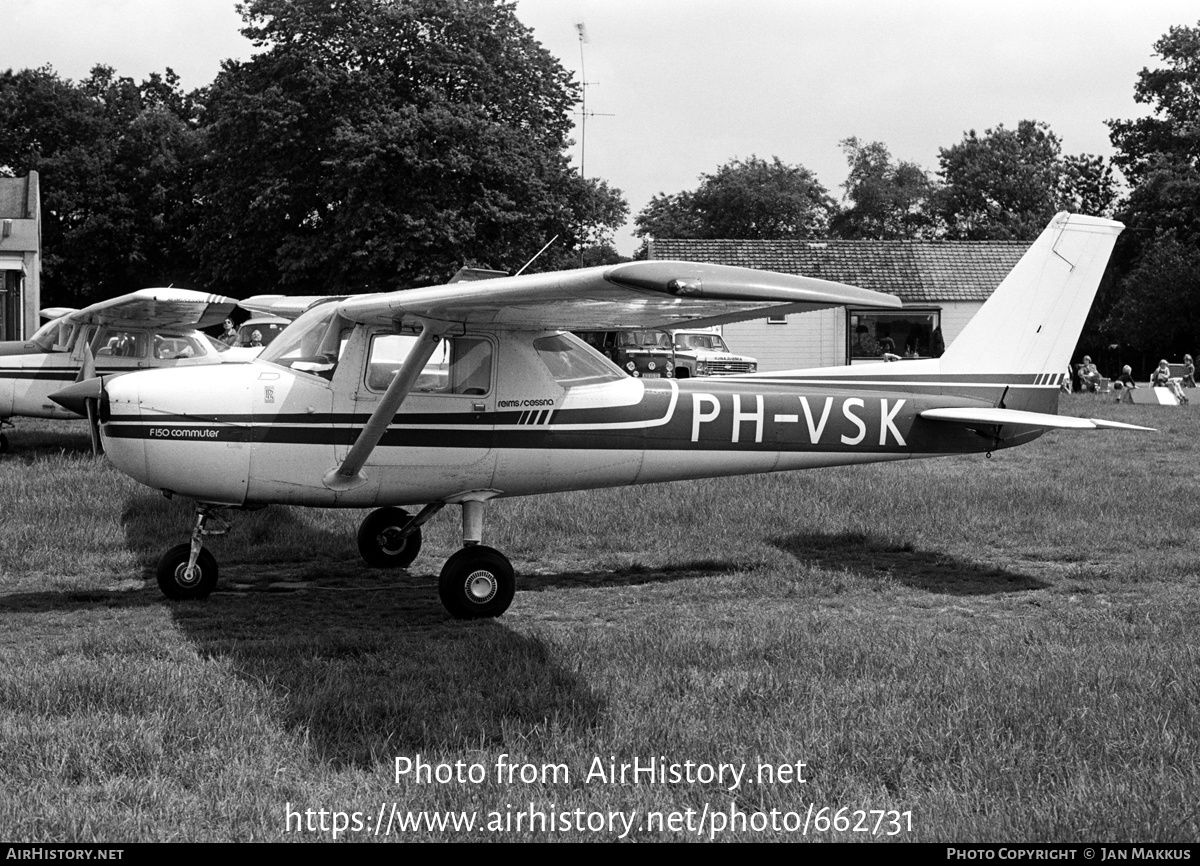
[888, 200]
[1173, 92]
[380, 144]
[750, 198]
[114, 159]
[1151, 302]
[1160, 154]
[1159, 307]
[1002, 185]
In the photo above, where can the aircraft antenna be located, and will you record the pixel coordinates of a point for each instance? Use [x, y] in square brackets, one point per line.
[535, 256]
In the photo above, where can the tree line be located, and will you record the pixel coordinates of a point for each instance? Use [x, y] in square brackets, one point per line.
[1006, 184]
[364, 147]
[381, 145]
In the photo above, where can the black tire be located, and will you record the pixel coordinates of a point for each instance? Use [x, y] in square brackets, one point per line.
[172, 566]
[377, 540]
[477, 582]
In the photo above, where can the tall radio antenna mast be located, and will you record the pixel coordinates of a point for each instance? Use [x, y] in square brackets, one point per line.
[582, 31]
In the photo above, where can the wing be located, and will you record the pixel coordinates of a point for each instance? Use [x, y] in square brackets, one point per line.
[1018, 418]
[653, 294]
[158, 308]
[286, 306]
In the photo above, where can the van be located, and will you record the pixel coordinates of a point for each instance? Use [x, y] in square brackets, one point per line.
[643, 354]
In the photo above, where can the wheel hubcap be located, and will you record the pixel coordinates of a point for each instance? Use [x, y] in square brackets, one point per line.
[390, 542]
[181, 575]
[481, 586]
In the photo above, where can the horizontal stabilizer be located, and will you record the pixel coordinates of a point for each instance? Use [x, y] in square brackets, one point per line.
[1018, 418]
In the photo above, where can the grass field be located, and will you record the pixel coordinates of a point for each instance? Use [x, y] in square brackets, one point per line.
[961, 649]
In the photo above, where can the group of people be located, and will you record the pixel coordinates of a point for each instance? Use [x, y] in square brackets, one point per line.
[1162, 377]
[229, 336]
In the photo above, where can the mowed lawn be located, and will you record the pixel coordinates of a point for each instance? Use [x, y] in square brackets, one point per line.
[961, 649]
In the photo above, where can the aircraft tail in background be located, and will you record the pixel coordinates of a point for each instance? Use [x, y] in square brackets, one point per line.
[1032, 321]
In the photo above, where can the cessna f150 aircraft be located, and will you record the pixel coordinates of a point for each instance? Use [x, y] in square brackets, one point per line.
[457, 395]
[146, 328]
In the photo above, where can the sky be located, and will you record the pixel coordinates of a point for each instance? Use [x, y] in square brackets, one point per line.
[678, 88]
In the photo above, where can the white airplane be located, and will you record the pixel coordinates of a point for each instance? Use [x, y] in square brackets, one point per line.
[146, 328]
[458, 395]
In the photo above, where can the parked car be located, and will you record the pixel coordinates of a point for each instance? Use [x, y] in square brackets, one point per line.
[704, 353]
[642, 354]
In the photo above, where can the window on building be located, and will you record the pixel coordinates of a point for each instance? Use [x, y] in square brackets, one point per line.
[872, 334]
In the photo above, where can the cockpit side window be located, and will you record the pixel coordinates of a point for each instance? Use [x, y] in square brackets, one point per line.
[123, 343]
[459, 365]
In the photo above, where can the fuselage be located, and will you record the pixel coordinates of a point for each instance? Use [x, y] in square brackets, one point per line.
[528, 415]
[31, 371]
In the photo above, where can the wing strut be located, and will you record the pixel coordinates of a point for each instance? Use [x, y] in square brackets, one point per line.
[349, 474]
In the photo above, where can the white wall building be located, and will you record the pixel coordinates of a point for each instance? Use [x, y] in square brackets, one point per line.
[942, 285]
[20, 256]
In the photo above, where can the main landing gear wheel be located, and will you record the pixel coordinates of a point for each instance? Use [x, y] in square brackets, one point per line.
[173, 578]
[380, 541]
[477, 582]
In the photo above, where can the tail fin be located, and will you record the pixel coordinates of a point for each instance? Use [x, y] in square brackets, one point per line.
[1032, 321]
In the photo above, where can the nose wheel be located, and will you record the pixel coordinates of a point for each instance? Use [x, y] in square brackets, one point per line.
[181, 583]
[187, 571]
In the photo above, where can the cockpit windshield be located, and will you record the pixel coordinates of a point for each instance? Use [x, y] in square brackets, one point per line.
[311, 344]
[55, 334]
[573, 362]
[700, 341]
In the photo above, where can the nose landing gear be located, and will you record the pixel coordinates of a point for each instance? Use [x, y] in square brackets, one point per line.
[187, 571]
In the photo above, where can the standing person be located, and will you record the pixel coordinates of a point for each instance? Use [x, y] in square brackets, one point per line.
[1189, 372]
[229, 335]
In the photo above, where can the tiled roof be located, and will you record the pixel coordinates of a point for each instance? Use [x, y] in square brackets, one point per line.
[916, 271]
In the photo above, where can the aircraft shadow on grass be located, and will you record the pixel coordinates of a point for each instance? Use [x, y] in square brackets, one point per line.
[874, 558]
[366, 660]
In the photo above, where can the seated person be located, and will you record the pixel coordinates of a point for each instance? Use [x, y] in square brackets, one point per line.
[1124, 382]
[1161, 378]
[1089, 376]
